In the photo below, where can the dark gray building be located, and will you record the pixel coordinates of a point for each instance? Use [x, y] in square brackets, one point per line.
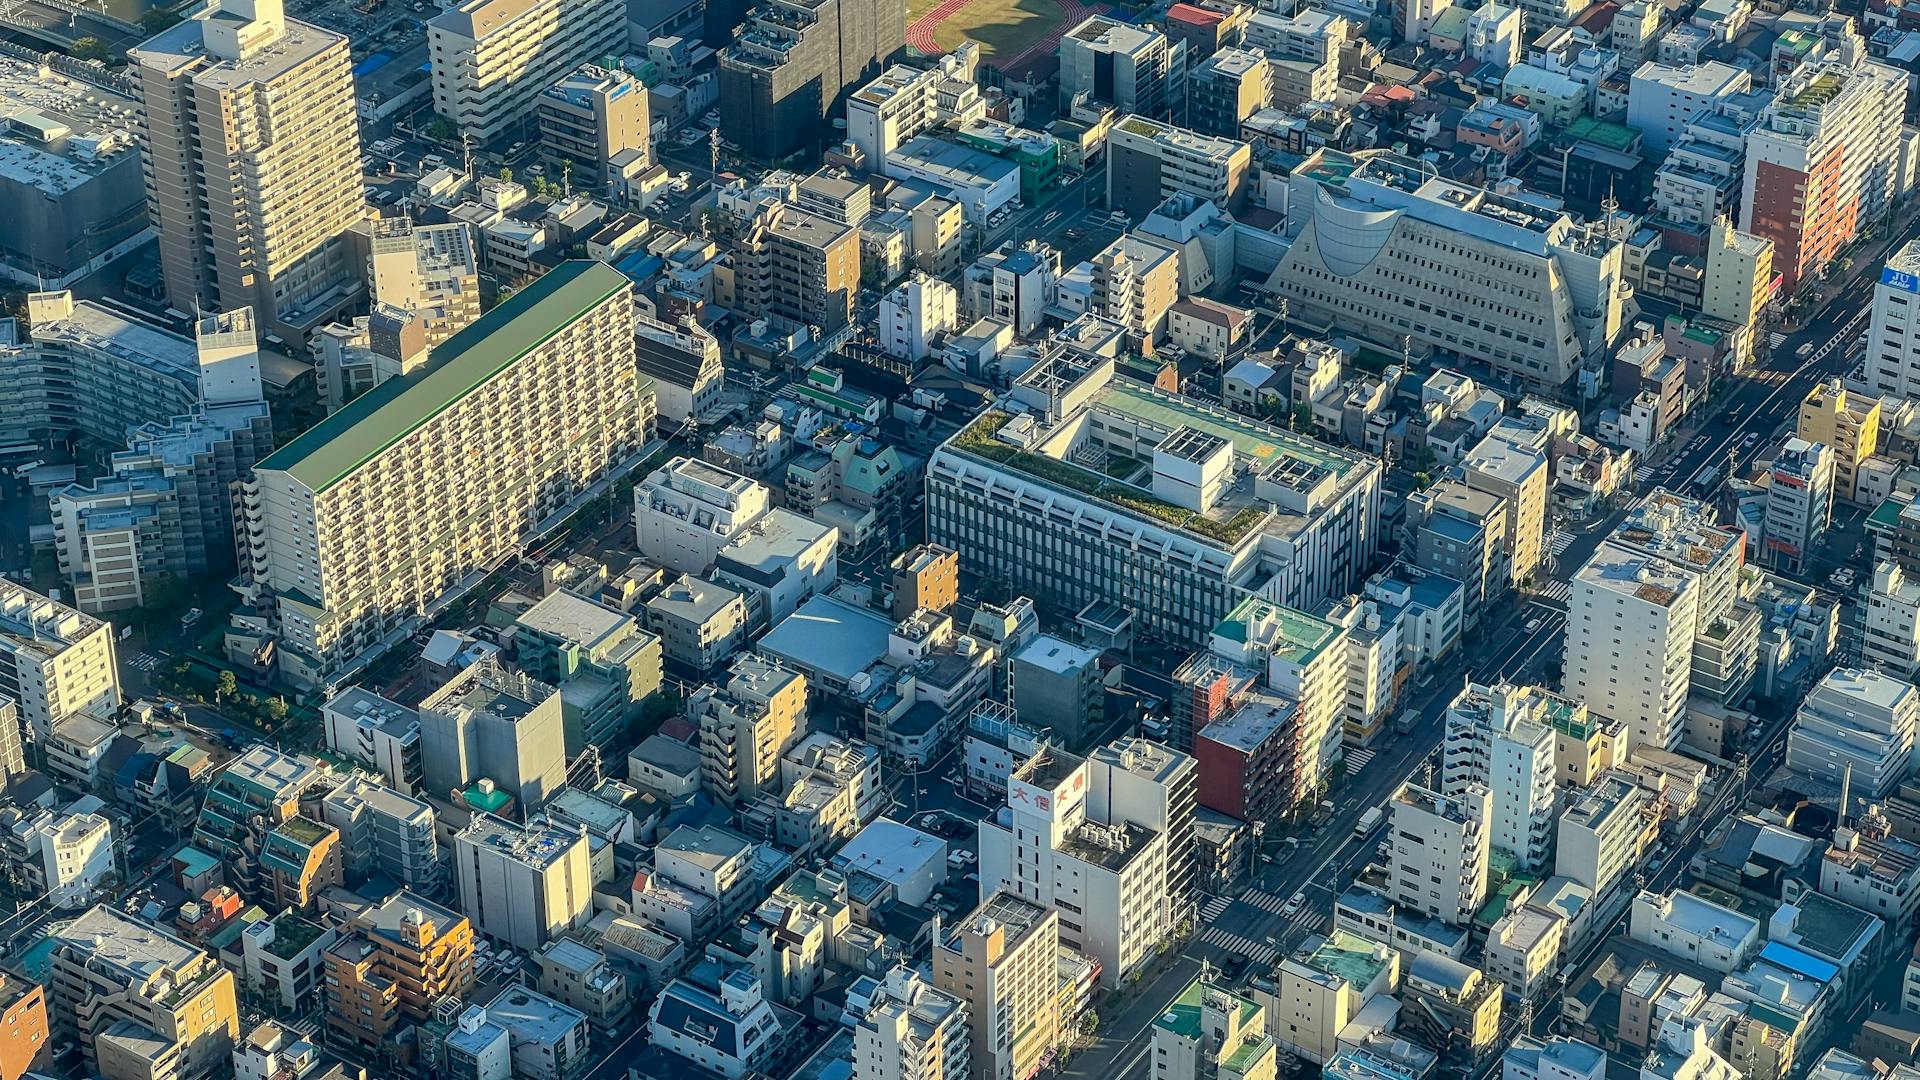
[792, 63]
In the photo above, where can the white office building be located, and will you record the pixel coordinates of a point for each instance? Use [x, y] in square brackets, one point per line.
[1892, 639]
[54, 660]
[905, 102]
[1663, 98]
[1856, 727]
[1629, 644]
[687, 510]
[65, 855]
[1501, 738]
[1602, 832]
[1208, 506]
[1799, 504]
[1438, 864]
[1892, 364]
[914, 314]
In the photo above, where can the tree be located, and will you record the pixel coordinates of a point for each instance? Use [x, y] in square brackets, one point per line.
[1090, 1023]
[1303, 417]
[275, 709]
[506, 174]
[440, 129]
[89, 48]
[154, 20]
[225, 687]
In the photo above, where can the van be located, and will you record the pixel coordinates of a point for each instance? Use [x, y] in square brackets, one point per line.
[1369, 821]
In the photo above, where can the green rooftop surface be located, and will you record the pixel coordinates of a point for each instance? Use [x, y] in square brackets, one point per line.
[334, 448]
[1348, 957]
[1604, 133]
[292, 934]
[1887, 514]
[1183, 1015]
[489, 801]
[1300, 637]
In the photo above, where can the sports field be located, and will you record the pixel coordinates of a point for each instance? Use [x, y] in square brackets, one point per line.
[1010, 32]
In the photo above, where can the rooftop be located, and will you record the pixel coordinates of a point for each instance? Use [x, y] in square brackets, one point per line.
[381, 418]
[536, 844]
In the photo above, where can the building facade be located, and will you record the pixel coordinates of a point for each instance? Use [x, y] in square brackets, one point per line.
[492, 59]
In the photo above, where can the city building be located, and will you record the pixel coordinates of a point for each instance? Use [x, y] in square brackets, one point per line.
[1440, 851]
[603, 663]
[1892, 363]
[135, 996]
[1686, 534]
[1501, 738]
[778, 563]
[798, 267]
[584, 979]
[1546, 294]
[1212, 1030]
[1002, 959]
[431, 271]
[1602, 832]
[523, 884]
[792, 64]
[1662, 99]
[1523, 950]
[73, 155]
[1799, 504]
[1520, 477]
[1303, 660]
[317, 564]
[904, 102]
[1135, 69]
[1104, 833]
[497, 729]
[1149, 161]
[911, 1030]
[25, 1039]
[746, 724]
[546, 1039]
[719, 1020]
[684, 363]
[165, 511]
[1850, 424]
[376, 732]
[926, 577]
[1554, 1058]
[1321, 990]
[1855, 731]
[1891, 641]
[385, 832]
[1629, 643]
[1822, 162]
[54, 662]
[1059, 686]
[590, 117]
[1226, 89]
[914, 314]
[396, 961]
[685, 511]
[252, 200]
[1453, 1006]
[64, 855]
[700, 623]
[1694, 929]
[1870, 868]
[493, 59]
[1226, 502]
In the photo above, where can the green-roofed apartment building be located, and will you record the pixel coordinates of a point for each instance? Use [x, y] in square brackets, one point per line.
[1210, 1030]
[394, 505]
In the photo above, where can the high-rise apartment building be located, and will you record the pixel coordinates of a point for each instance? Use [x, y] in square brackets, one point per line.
[1538, 294]
[912, 1031]
[523, 884]
[1629, 645]
[1135, 69]
[792, 63]
[1003, 960]
[1440, 848]
[1686, 533]
[133, 994]
[166, 509]
[493, 58]
[746, 724]
[1501, 738]
[588, 118]
[1822, 162]
[546, 380]
[1892, 364]
[1304, 659]
[798, 267]
[1215, 503]
[1891, 641]
[1091, 838]
[385, 832]
[54, 661]
[1799, 504]
[253, 163]
[1603, 831]
[1229, 87]
[432, 270]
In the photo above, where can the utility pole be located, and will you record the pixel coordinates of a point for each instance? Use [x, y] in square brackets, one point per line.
[713, 149]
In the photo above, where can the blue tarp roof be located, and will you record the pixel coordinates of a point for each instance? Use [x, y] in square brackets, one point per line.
[372, 63]
[1798, 962]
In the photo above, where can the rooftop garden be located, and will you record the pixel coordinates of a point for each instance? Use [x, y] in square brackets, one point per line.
[979, 439]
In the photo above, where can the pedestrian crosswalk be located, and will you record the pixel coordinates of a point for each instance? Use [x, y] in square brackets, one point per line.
[1775, 339]
[1213, 907]
[145, 661]
[1265, 901]
[1644, 473]
[1562, 540]
[1263, 955]
[1313, 922]
[1357, 759]
[1558, 592]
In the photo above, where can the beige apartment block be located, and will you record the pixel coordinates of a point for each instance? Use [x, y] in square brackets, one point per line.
[253, 162]
[400, 501]
[1002, 959]
[141, 1001]
[492, 58]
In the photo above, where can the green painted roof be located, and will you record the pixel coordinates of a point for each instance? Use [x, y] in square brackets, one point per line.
[1887, 514]
[334, 448]
[1183, 1015]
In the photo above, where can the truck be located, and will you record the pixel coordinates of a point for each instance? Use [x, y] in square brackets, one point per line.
[1369, 821]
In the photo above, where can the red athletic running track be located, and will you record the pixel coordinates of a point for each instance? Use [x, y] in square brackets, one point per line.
[1072, 14]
